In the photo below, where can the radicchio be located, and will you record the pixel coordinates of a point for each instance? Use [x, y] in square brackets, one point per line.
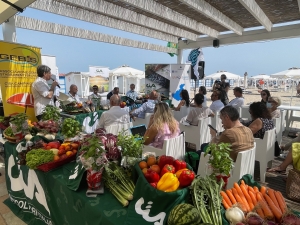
[113, 153]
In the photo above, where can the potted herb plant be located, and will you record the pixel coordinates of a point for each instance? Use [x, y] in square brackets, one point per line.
[220, 160]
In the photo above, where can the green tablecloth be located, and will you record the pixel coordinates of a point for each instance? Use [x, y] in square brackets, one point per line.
[40, 198]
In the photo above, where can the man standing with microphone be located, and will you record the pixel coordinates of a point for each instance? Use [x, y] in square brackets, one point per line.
[42, 93]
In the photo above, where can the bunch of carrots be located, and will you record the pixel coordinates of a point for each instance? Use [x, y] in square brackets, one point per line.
[268, 204]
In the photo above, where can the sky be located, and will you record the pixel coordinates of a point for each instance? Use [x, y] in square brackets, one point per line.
[73, 54]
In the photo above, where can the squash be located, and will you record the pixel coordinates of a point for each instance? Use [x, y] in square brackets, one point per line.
[184, 214]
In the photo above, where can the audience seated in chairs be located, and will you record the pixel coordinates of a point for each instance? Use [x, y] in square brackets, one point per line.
[238, 101]
[162, 126]
[147, 107]
[235, 133]
[265, 94]
[261, 119]
[185, 100]
[198, 111]
[114, 115]
[272, 104]
[202, 90]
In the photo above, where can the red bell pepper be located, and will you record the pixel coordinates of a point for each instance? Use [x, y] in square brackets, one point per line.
[186, 178]
[151, 176]
[167, 168]
[154, 185]
[163, 160]
[179, 164]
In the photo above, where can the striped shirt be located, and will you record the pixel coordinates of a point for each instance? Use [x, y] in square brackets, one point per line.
[240, 138]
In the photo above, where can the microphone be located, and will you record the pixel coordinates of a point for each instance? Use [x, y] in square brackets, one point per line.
[57, 84]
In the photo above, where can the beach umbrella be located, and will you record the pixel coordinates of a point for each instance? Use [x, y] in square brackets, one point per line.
[261, 76]
[293, 73]
[217, 75]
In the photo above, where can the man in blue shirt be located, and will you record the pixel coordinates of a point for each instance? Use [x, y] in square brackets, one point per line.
[147, 107]
[132, 93]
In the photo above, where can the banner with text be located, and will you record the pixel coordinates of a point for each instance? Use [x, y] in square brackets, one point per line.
[18, 65]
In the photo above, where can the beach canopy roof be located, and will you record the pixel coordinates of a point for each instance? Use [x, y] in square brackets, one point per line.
[293, 72]
[127, 71]
[217, 75]
[261, 76]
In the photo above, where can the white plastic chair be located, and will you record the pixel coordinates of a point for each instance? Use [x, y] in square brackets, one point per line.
[178, 115]
[295, 116]
[265, 152]
[277, 123]
[283, 119]
[140, 121]
[216, 122]
[244, 112]
[116, 128]
[197, 134]
[174, 147]
[244, 164]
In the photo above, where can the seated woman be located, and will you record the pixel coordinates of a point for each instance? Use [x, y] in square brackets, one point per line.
[265, 94]
[162, 126]
[272, 104]
[261, 120]
[198, 111]
[185, 100]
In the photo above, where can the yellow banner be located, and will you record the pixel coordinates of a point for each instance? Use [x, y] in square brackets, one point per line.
[18, 65]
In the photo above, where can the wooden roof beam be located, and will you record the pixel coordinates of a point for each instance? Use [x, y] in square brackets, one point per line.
[299, 5]
[166, 13]
[258, 13]
[209, 11]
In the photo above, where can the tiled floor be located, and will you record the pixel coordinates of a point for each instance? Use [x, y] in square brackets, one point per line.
[272, 180]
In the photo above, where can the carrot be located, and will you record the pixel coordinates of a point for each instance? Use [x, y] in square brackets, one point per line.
[248, 198]
[263, 190]
[238, 189]
[280, 201]
[239, 200]
[226, 198]
[230, 195]
[276, 212]
[253, 197]
[226, 206]
[255, 189]
[271, 194]
[243, 182]
[251, 189]
[260, 212]
[264, 206]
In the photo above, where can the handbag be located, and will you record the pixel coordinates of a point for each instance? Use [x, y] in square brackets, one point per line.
[293, 185]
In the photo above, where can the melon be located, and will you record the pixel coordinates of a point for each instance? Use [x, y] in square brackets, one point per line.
[184, 214]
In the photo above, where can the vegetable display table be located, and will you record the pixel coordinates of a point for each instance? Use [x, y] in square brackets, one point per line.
[88, 121]
[40, 198]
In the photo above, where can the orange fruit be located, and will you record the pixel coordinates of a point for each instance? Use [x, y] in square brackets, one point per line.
[143, 165]
[74, 146]
[74, 151]
[68, 147]
[56, 157]
[155, 168]
[144, 170]
[69, 153]
[151, 160]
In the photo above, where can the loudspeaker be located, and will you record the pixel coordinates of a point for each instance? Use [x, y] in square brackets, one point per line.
[216, 43]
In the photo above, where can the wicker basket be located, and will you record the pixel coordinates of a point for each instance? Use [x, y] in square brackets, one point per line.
[10, 139]
[293, 185]
[52, 165]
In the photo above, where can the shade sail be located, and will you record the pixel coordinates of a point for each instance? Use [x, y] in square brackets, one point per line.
[127, 71]
[260, 76]
[290, 73]
[230, 76]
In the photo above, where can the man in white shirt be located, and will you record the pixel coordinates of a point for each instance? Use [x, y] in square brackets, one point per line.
[147, 107]
[73, 94]
[114, 115]
[216, 104]
[42, 93]
[239, 99]
[132, 93]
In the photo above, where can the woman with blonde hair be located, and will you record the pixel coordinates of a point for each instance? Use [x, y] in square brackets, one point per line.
[162, 126]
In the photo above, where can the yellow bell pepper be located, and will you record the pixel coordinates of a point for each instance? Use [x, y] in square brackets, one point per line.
[168, 182]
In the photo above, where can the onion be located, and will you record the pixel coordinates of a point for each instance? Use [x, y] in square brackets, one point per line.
[290, 219]
[50, 136]
[234, 215]
[28, 137]
[254, 219]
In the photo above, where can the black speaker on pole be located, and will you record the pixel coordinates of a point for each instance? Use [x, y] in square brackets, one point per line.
[216, 43]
